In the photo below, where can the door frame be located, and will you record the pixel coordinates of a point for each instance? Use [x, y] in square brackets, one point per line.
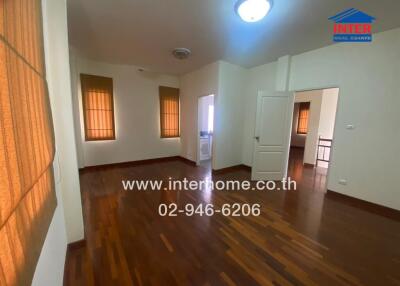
[198, 131]
[331, 154]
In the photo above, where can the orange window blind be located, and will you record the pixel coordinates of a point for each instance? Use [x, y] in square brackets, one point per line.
[304, 111]
[169, 111]
[27, 198]
[98, 106]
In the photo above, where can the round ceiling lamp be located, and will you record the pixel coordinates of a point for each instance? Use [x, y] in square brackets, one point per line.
[253, 10]
[181, 53]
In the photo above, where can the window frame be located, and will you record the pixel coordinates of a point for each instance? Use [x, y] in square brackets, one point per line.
[83, 90]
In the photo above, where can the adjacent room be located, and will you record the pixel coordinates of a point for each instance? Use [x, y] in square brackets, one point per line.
[206, 128]
[171, 142]
[311, 139]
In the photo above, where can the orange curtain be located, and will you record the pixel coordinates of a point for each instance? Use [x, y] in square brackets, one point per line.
[169, 111]
[304, 110]
[27, 199]
[97, 98]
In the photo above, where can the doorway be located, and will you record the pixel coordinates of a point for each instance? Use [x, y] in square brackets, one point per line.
[205, 130]
[313, 122]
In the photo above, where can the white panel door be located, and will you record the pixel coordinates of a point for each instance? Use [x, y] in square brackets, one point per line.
[271, 139]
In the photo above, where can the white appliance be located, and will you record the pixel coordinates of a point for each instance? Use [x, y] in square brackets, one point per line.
[205, 148]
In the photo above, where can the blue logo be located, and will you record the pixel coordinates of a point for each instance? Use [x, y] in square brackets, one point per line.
[352, 25]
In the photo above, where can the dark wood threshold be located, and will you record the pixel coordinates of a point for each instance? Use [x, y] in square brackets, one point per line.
[308, 165]
[137, 163]
[232, 169]
[71, 247]
[297, 147]
[364, 205]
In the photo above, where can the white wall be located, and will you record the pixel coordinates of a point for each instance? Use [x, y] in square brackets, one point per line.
[50, 266]
[75, 84]
[58, 75]
[228, 125]
[193, 85]
[137, 115]
[66, 225]
[368, 77]
[258, 78]
[226, 82]
[328, 112]
[327, 120]
[315, 99]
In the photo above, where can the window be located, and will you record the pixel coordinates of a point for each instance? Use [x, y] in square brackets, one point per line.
[98, 107]
[27, 197]
[304, 111]
[169, 112]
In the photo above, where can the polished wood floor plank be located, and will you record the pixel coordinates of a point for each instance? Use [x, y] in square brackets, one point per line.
[302, 237]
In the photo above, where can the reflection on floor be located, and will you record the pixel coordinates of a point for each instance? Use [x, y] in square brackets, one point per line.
[301, 238]
[206, 164]
[312, 179]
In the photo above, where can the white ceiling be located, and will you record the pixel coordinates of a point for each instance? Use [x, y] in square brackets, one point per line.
[144, 32]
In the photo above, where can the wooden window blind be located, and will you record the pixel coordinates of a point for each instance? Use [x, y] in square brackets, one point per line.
[169, 111]
[27, 198]
[98, 106]
[304, 111]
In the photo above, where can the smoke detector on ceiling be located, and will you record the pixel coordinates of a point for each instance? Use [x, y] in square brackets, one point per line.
[181, 53]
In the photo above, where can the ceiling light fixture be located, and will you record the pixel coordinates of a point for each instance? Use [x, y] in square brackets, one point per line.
[181, 53]
[253, 10]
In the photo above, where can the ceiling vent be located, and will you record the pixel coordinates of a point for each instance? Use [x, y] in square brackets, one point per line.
[181, 53]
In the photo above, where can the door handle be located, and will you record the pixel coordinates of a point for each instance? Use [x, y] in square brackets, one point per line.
[257, 138]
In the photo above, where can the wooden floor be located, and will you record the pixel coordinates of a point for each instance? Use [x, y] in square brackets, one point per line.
[302, 237]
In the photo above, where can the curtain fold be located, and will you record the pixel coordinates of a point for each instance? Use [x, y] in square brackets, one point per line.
[27, 198]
